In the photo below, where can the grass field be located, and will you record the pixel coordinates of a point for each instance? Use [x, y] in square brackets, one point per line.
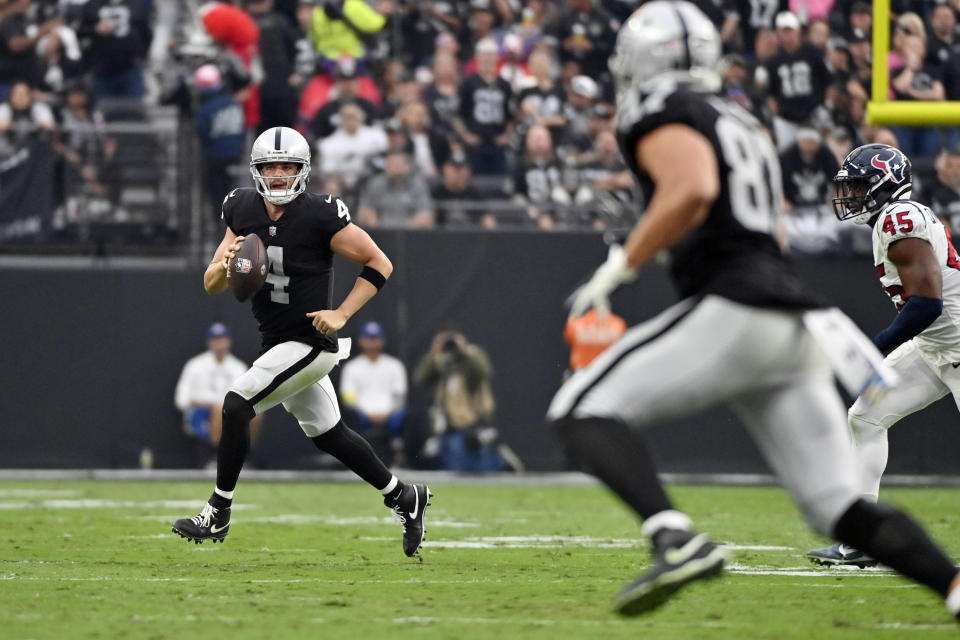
[97, 560]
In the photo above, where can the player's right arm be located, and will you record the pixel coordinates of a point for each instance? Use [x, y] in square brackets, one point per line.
[215, 277]
[683, 167]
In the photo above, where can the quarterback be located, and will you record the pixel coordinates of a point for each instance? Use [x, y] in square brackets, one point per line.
[298, 325]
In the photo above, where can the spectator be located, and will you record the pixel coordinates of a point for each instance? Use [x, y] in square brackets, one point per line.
[373, 387]
[459, 203]
[346, 90]
[443, 94]
[463, 404]
[396, 198]
[745, 23]
[423, 23]
[944, 195]
[480, 26]
[808, 169]
[344, 154]
[344, 28]
[429, 147]
[404, 88]
[204, 381]
[609, 178]
[840, 143]
[278, 50]
[18, 41]
[538, 180]
[798, 78]
[818, 34]
[586, 33]
[485, 113]
[61, 60]
[119, 31]
[912, 78]
[221, 132]
[861, 58]
[83, 144]
[543, 102]
[861, 18]
[23, 120]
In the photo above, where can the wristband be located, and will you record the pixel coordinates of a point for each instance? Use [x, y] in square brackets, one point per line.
[373, 276]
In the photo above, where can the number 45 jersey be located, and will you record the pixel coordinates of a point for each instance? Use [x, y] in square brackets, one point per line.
[940, 342]
[733, 253]
[300, 279]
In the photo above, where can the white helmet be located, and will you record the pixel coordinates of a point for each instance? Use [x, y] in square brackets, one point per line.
[666, 40]
[280, 144]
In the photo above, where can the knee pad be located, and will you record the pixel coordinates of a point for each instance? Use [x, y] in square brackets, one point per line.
[235, 407]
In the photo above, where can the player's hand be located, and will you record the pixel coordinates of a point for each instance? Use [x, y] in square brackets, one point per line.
[595, 293]
[328, 321]
[229, 254]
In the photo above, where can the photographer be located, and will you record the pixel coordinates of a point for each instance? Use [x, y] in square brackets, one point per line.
[462, 411]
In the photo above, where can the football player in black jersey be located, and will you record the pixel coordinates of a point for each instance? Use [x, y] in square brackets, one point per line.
[298, 324]
[743, 334]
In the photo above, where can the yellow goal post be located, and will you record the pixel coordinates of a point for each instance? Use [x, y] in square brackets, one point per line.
[883, 111]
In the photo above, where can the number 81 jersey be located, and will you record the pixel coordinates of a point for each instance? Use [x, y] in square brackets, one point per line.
[301, 261]
[733, 253]
[940, 342]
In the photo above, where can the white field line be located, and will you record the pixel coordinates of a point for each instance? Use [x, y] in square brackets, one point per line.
[98, 503]
[36, 493]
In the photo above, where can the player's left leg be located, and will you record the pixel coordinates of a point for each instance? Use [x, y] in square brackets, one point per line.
[318, 412]
[673, 365]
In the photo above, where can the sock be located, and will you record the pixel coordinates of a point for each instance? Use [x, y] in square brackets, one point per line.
[953, 600]
[670, 519]
[234, 441]
[221, 499]
[620, 458]
[347, 446]
[893, 538]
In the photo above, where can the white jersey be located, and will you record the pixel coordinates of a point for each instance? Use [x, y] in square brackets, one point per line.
[940, 342]
[374, 386]
[204, 380]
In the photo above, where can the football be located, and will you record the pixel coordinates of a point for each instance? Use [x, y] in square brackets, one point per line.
[248, 269]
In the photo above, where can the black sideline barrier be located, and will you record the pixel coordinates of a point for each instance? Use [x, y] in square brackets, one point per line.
[91, 356]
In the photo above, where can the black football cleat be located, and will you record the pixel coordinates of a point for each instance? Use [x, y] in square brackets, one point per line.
[409, 512]
[680, 557]
[841, 555]
[209, 524]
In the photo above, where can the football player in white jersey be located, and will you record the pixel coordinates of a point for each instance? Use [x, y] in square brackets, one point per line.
[920, 271]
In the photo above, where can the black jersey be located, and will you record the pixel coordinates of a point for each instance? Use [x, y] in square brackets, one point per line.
[798, 82]
[300, 279]
[733, 253]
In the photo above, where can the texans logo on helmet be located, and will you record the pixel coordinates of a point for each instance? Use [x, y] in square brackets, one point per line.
[889, 166]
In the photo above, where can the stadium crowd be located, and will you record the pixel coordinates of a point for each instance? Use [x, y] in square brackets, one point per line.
[477, 113]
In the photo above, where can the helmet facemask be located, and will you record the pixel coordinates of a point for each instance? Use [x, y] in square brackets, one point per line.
[293, 185]
[854, 199]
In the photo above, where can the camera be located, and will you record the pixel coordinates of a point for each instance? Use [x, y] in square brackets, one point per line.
[450, 345]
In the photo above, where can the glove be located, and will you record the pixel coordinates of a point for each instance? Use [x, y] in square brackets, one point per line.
[596, 291]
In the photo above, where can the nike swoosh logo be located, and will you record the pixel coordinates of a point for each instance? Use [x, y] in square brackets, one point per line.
[684, 553]
[213, 528]
[416, 503]
[329, 198]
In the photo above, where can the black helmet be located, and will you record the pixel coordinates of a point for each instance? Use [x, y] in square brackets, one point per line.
[870, 177]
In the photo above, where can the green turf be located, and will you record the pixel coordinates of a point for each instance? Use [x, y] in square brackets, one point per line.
[97, 560]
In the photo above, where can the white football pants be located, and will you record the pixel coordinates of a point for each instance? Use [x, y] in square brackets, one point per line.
[763, 363]
[921, 384]
[295, 374]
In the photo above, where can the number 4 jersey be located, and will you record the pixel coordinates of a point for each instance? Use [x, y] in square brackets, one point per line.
[301, 262]
[940, 342]
[733, 253]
